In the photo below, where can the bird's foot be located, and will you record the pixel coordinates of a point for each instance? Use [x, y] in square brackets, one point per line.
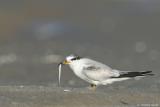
[92, 87]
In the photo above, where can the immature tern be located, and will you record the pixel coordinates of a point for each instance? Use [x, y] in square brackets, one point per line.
[97, 73]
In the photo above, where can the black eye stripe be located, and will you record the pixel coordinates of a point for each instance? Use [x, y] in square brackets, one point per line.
[76, 58]
[73, 59]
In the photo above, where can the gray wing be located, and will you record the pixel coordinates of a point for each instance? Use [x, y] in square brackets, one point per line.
[97, 71]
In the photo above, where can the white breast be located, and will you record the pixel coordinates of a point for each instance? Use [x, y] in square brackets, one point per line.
[77, 67]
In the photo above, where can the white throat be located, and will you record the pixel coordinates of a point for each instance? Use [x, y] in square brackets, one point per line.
[77, 67]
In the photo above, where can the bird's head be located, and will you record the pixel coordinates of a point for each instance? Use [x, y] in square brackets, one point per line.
[71, 58]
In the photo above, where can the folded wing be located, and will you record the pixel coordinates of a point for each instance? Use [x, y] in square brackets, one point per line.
[98, 71]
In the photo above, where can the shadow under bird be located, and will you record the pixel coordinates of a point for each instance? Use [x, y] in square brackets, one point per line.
[97, 73]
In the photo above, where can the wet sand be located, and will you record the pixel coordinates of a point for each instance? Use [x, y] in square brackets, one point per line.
[53, 96]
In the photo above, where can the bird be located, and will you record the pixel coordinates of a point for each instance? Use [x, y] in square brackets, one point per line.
[97, 73]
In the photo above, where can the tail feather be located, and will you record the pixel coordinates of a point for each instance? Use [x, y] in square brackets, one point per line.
[135, 74]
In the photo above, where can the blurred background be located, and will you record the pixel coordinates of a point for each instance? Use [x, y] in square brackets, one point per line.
[35, 35]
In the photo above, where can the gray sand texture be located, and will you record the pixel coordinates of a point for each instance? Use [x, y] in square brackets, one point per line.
[52, 96]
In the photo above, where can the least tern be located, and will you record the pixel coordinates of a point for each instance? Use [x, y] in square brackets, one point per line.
[97, 73]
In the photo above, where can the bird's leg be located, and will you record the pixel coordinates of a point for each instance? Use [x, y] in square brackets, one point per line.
[93, 87]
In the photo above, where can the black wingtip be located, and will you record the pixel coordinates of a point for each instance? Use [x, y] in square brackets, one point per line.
[147, 73]
[144, 72]
[135, 74]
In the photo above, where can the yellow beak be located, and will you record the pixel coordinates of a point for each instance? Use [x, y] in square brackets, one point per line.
[66, 62]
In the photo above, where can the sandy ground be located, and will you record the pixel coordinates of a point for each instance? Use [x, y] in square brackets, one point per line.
[53, 96]
[36, 36]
